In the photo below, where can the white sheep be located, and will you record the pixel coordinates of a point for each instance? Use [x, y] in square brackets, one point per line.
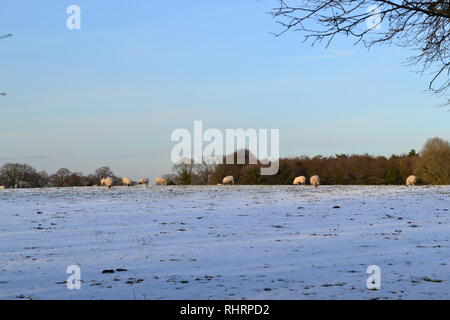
[107, 182]
[228, 180]
[160, 182]
[315, 181]
[2, 187]
[299, 180]
[126, 182]
[411, 180]
[143, 182]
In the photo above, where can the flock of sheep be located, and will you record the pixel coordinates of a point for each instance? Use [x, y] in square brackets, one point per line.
[315, 180]
[301, 180]
[108, 182]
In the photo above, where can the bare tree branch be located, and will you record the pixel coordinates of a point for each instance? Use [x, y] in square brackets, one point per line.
[423, 26]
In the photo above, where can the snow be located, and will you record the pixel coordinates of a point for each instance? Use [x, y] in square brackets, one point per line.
[226, 242]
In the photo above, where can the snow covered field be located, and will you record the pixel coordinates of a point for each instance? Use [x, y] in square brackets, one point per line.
[226, 242]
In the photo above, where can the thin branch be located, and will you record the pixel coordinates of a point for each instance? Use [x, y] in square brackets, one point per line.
[423, 26]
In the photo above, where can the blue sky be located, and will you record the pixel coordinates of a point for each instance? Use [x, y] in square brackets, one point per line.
[112, 92]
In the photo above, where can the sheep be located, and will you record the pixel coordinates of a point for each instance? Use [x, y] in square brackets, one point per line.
[228, 180]
[411, 180]
[126, 182]
[160, 182]
[2, 187]
[299, 180]
[143, 182]
[315, 181]
[107, 182]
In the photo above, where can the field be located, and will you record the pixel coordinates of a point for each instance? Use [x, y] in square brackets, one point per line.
[226, 242]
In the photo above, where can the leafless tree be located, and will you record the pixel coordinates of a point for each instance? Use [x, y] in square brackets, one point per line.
[184, 171]
[204, 170]
[19, 175]
[66, 178]
[423, 26]
[105, 172]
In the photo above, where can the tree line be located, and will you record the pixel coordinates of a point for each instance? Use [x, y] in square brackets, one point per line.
[20, 175]
[431, 166]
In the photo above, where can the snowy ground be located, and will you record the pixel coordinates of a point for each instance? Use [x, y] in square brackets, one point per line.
[226, 242]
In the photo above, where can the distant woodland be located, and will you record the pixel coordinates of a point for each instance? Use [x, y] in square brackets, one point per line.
[431, 166]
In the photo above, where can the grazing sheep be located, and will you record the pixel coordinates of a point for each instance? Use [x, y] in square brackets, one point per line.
[228, 180]
[315, 181]
[299, 180]
[160, 182]
[143, 182]
[411, 180]
[126, 182]
[107, 182]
